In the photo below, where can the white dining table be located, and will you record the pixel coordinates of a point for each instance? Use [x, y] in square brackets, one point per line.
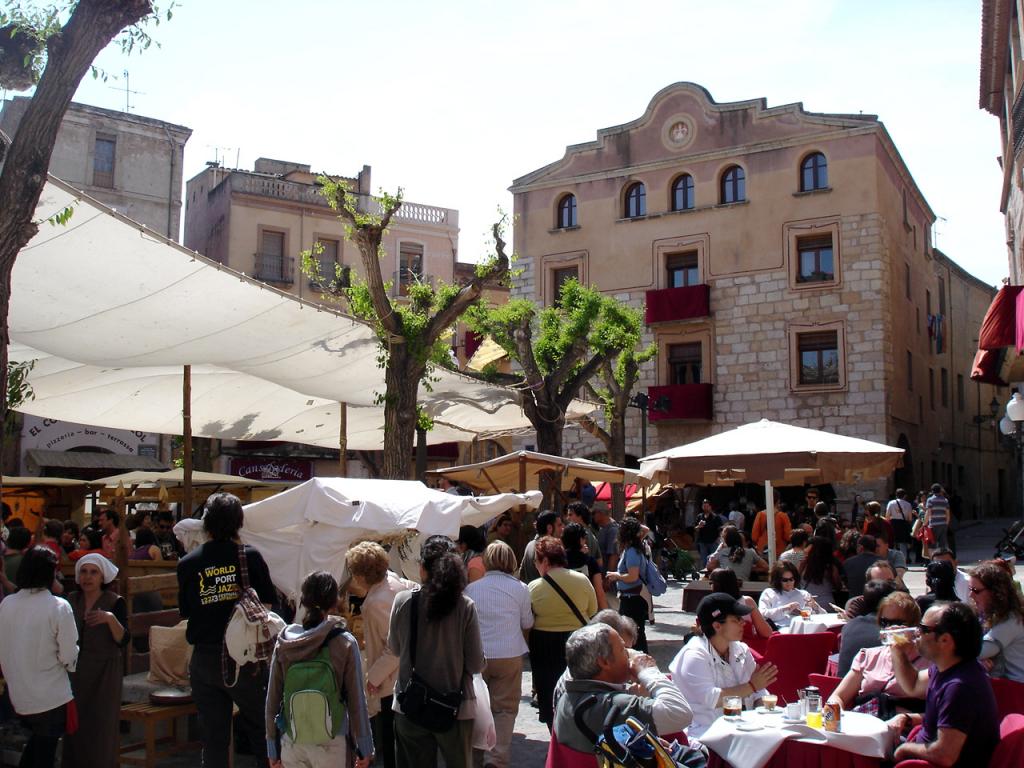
[817, 622]
[751, 739]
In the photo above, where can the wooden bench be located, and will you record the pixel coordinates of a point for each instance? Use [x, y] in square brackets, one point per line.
[150, 715]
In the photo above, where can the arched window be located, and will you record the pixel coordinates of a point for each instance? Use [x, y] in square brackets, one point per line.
[734, 185]
[567, 212]
[813, 172]
[682, 193]
[636, 201]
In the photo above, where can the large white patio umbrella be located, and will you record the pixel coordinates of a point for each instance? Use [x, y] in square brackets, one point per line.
[774, 454]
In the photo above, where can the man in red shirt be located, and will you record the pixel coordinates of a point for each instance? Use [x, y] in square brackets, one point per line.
[109, 520]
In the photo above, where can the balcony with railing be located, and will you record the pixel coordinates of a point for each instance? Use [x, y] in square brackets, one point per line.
[273, 268]
[672, 304]
[1018, 122]
[309, 194]
[692, 402]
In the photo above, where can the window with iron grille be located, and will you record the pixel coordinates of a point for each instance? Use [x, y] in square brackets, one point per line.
[103, 162]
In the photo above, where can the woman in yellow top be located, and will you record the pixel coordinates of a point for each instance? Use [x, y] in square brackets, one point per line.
[562, 601]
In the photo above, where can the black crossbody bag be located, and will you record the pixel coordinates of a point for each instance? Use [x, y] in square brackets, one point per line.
[566, 598]
[420, 702]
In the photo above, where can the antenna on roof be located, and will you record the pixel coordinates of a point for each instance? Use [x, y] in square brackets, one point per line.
[128, 92]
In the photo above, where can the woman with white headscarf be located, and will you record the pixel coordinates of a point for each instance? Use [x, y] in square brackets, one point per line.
[102, 619]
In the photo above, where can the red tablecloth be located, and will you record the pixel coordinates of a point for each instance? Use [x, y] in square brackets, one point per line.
[801, 754]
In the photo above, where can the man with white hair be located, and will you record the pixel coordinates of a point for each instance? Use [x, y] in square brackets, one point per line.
[601, 667]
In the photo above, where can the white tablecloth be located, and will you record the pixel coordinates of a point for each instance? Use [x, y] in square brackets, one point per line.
[861, 734]
[818, 622]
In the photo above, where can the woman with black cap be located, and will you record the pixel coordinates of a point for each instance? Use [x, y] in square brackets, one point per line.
[717, 663]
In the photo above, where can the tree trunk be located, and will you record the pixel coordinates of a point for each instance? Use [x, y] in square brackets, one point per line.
[549, 440]
[70, 53]
[617, 458]
[402, 381]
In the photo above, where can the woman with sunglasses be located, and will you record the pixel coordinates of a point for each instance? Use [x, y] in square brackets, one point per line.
[871, 672]
[783, 600]
[1002, 617]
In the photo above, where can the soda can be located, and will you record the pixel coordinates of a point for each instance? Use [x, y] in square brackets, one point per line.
[831, 715]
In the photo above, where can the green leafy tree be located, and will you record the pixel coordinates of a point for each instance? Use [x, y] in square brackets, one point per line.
[616, 381]
[49, 46]
[413, 331]
[561, 348]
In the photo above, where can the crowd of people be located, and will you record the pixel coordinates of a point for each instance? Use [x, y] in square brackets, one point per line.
[575, 604]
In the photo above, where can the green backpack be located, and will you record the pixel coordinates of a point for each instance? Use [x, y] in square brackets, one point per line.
[312, 707]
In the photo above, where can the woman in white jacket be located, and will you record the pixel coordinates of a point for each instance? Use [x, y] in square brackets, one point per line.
[38, 647]
[783, 599]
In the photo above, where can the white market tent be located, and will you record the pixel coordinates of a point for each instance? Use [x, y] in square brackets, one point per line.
[176, 477]
[312, 525]
[111, 313]
[772, 453]
[519, 470]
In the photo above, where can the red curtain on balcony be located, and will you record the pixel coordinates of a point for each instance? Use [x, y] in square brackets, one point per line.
[685, 401]
[678, 303]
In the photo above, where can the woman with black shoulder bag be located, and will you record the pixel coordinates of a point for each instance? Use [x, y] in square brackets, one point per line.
[436, 636]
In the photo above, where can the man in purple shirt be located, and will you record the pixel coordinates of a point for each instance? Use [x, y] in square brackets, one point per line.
[960, 725]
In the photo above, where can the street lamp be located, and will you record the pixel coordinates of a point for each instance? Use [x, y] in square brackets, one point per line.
[644, 404]
[1013, 424]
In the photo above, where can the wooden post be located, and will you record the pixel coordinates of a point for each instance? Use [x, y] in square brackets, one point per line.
[120, 505]
[421, 454]
[343, 440]
[186, 430]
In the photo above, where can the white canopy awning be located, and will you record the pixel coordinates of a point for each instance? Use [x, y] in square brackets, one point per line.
[509, 472]
[770, 451]
[112, 312]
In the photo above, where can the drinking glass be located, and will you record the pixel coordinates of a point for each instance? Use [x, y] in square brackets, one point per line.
[813, 702]
[732, 706]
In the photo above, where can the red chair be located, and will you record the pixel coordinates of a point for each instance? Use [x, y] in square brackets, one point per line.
[826, 683]
[797, 656]
[1009, 696]
[753, 640]
[1008, 751]
[1011, 743]
[560, 756]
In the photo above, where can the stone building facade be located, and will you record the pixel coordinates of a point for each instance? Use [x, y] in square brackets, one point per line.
[785, 263]
[260, 221]
[126, 161]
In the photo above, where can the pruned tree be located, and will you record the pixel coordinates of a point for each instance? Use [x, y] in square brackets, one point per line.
[51, 46]
[614, 388]
[413, 331]
[558, 349]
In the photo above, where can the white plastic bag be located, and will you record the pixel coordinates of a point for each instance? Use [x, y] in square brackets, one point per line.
[484, 735]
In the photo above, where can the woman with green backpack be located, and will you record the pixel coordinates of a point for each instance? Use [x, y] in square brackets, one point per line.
[315, 699]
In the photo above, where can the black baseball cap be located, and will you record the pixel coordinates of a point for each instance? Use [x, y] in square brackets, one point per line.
[718, 605]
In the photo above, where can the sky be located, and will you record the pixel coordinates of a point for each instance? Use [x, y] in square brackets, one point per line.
[452, 100]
